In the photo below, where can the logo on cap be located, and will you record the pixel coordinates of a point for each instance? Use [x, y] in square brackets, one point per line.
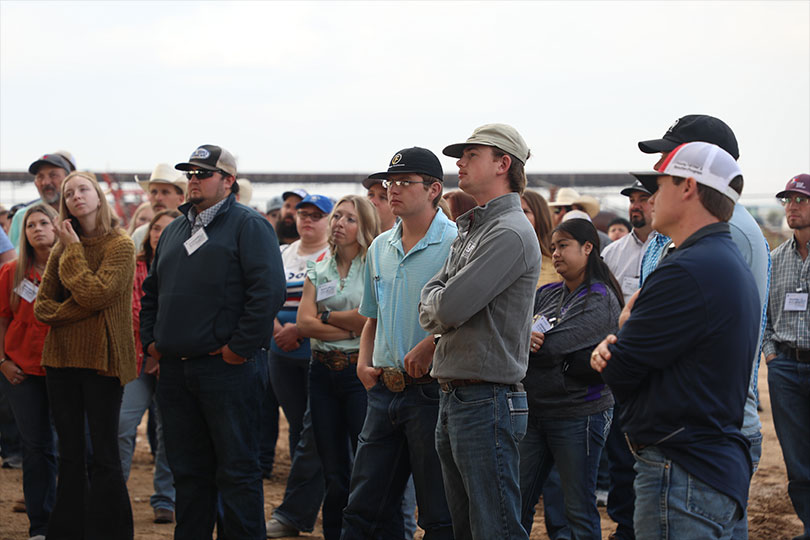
[396, 159]
[200, 153]
[675, 123]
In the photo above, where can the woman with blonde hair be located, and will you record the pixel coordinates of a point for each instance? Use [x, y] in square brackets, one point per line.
[21, 341]
[328, 314]
[89, 354]
[142, 215]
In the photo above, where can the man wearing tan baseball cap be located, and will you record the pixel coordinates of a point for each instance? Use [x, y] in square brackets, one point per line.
[481, 304]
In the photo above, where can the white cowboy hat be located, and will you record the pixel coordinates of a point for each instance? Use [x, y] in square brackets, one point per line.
[571, 197]
[164, 173]
[245, 190]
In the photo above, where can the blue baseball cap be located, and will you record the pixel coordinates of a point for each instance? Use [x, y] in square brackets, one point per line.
[321, 202]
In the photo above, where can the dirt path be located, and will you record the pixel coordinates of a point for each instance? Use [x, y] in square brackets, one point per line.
[771, 515]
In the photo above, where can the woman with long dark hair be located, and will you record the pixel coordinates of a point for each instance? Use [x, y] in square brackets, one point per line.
[21, 341]
[89, 355]
[570, 408]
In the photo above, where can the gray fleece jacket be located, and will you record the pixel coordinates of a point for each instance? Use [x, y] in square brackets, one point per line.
[481, 300]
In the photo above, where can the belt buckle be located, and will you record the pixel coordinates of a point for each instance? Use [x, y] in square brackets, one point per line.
[339, 362]
[393, 379]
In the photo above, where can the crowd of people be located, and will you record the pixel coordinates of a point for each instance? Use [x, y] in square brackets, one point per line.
[443, 359]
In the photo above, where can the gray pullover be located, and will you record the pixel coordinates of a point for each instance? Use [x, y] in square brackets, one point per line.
[481, 300]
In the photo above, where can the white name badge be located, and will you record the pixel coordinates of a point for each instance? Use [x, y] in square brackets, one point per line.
[629, 284]
[541, 325]
[326, 290]
[796, 301]
[196, 240]
[27, 290]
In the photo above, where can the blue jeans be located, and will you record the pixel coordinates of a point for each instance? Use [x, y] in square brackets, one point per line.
[29, 403]
[96, 508]
[397, 440]
[269, 433]
[305, 483]
[671, 503]
[290, 380]
[755, 438]
[621, 497]
[211, 413]
[553, 507]
[477, 436]
[575, 446]
[138, 395]
[789, 385]
[337, 401]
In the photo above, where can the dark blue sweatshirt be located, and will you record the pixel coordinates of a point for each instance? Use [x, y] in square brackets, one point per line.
[681, 365]
[228, 291]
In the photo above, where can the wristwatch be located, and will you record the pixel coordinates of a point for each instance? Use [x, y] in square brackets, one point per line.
[325, 316]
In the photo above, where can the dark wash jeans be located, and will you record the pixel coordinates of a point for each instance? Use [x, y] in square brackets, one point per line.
[29, 402]
[211, 417]
[398, 439]
[97, 509]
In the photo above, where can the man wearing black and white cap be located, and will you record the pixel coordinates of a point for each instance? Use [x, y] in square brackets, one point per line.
[49, 172]
[681, 363]
[481, 303]
[378, 196]
[787, 345]
[285, 226]
[217, 282]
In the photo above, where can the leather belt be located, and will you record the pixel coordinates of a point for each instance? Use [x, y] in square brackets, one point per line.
[336, 360]
[449, 386]
[800, 355]
[396, 380]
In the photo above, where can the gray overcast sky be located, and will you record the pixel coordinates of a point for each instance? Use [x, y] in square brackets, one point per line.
[340, 86]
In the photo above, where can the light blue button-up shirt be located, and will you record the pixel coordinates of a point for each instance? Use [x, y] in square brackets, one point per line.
[393, 283]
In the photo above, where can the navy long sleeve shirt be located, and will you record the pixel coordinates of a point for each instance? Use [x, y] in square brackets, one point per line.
[681, 365]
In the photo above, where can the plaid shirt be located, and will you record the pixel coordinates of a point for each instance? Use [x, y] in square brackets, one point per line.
[789, 275]
[204, 218]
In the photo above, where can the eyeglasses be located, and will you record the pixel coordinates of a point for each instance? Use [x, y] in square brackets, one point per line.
[387, 183]
[314, 216]
[560, 209]
[798, 199]
[201, 175]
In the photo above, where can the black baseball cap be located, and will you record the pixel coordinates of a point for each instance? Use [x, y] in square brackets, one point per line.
[637, 186]
[694, 128]
[413, 160]
[50, 159]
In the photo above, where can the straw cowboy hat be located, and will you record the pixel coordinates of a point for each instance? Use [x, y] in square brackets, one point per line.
[245, 190]
[571, 197]
[164, 174]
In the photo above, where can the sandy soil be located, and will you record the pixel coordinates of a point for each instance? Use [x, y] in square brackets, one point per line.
[771, 515]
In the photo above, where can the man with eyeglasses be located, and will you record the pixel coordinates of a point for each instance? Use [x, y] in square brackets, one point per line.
[395, 358]
[787, 345]
[481, 303]
[216, 282]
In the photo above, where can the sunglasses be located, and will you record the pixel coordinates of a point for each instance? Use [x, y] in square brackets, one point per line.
[798, 199]
[561, 209]
[314, 216]
[201, 175]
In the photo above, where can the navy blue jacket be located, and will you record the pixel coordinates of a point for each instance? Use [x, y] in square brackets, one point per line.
[226, 292]
[681, 365]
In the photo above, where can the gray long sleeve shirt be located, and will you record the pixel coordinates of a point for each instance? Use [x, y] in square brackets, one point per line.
[481, 300]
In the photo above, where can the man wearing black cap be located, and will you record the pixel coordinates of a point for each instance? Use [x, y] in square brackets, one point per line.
[49, 172]
[623, 256]
[287, 230]
[481, 303]
[395, 357]
[217, 283]
[787, 345]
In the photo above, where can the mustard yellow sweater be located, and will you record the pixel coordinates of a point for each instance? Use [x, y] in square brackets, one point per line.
[86, 298]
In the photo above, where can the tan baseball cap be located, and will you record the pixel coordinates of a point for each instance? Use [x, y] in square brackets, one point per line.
[501, 136]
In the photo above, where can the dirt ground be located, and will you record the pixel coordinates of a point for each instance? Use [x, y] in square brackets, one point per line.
[771, 515]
